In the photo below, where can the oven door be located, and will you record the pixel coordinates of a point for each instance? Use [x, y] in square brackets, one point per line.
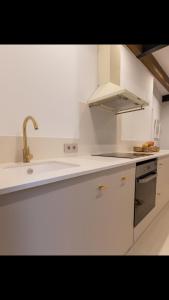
[145, 194]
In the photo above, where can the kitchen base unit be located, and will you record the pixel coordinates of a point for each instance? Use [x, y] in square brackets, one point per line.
[87, 215]
[162, 195]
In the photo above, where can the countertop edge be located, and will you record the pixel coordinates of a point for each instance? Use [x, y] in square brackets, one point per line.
[78, 172]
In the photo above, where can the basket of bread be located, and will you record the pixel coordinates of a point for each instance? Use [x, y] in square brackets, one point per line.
[147, 147]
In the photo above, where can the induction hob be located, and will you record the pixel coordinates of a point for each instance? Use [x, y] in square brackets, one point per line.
[122, 155]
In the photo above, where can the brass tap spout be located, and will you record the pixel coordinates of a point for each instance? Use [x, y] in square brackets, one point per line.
[27, 156]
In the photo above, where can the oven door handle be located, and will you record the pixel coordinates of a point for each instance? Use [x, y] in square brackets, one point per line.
[147, 178]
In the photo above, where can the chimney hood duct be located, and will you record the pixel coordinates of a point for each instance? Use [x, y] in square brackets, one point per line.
[110, 95]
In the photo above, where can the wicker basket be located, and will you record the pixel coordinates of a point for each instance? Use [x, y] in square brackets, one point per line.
[138, 149]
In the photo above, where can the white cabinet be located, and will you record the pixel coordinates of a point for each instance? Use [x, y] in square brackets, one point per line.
[91, 214]
[162, 194]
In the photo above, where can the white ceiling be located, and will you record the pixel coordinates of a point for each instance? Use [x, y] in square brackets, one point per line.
[162, 56]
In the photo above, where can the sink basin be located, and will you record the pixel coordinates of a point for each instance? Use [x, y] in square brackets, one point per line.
[36, 168]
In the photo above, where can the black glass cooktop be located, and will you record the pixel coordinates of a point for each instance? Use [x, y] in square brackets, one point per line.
[123, 155]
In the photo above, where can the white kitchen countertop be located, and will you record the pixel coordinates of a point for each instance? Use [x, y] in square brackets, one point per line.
[86, 164]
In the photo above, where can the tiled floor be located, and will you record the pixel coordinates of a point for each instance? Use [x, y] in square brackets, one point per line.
[155, 240]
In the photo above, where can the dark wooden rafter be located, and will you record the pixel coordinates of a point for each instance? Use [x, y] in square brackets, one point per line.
[165, 98]
[151, 63]
[149, 49]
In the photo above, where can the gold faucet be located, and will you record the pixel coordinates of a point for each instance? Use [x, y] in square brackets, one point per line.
[27, 156]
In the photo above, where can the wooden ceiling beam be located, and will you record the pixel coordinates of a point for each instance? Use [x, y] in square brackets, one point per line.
[136, 49]
[165, 98]
[152, 65]
[149, 49]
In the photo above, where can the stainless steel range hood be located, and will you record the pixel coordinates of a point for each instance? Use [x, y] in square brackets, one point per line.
[110, 94]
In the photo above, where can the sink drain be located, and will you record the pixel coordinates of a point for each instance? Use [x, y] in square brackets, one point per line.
[29, 171]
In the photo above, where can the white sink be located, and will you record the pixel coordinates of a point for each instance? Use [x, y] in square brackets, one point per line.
[23, 169]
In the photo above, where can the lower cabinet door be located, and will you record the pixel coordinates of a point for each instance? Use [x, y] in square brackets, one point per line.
[162, 191]
[91, 214]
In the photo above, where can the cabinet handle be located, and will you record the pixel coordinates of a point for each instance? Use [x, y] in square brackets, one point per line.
[158, 194]
[123, 178]
[102, 187]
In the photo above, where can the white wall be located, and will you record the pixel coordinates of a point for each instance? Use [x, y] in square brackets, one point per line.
[46, 81]
[164, 140]
[53, 83]
[135, 76]
[156, 112]
[136, 126]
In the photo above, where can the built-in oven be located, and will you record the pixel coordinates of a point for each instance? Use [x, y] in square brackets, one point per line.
[145, 189]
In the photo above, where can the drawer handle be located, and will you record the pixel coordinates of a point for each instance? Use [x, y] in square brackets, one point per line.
[123, 178]
[102, 187]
